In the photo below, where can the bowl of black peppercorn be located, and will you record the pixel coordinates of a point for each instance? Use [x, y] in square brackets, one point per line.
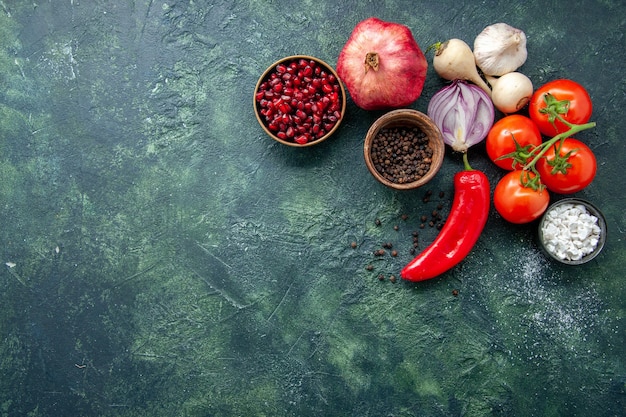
[404, 149]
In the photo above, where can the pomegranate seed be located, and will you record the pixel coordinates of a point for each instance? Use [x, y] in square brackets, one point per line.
[284, 108]
[299, 101]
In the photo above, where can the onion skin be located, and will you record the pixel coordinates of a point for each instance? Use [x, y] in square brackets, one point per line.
[463, 112]
[399, 79]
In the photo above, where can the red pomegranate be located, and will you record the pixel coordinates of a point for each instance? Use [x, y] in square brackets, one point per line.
[382, 65]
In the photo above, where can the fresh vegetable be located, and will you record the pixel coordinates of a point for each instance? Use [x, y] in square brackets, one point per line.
[510, 140]
[557, 112]
[382, 65]
[500, 49]
[467, 219]
[454, 60]
[556, 101]
[463, 112]
[573, 170]
[511, 92]
[518, 203]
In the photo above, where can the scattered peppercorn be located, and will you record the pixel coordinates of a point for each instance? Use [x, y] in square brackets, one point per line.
[369, 267]
[392, 279]
[404, 216]
[379, 252]
[439, 206]
[387, 245]
[423, 218]
[377, 222]
[396, 228]
[455, 292]
[394, 253]
[422, 226]
[353, 245]
[431, 223]
[381, 277]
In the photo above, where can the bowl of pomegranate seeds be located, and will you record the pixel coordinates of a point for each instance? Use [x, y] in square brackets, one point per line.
[299, 101]
[404, 149]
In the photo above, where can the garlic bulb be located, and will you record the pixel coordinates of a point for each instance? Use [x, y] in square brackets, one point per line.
[500, 49]
[511, 92]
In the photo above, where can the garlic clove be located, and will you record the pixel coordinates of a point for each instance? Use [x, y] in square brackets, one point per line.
[500, 49]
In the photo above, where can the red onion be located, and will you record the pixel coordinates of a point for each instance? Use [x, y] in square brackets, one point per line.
[463, 112]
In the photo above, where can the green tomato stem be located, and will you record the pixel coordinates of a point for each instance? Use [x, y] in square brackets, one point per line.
[543, 148]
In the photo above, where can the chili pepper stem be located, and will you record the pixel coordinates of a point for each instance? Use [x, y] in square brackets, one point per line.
[466, 162]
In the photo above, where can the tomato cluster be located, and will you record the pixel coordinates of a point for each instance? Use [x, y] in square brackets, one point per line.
[559, 164]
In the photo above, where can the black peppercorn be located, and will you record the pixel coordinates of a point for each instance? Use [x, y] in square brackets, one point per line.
[401, 155]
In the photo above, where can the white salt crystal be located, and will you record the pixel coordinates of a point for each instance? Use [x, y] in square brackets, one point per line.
[570, 232]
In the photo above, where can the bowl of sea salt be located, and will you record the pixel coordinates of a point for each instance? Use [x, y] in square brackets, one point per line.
[572, 231]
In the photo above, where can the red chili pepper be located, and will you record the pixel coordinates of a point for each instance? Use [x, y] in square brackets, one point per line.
[461, 230]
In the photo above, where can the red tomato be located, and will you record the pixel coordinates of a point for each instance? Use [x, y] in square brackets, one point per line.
[579, 172]
[500, 138]
[578, 111]
[516, 203]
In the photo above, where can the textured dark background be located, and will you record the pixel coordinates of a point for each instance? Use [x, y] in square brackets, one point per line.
[172, 260]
